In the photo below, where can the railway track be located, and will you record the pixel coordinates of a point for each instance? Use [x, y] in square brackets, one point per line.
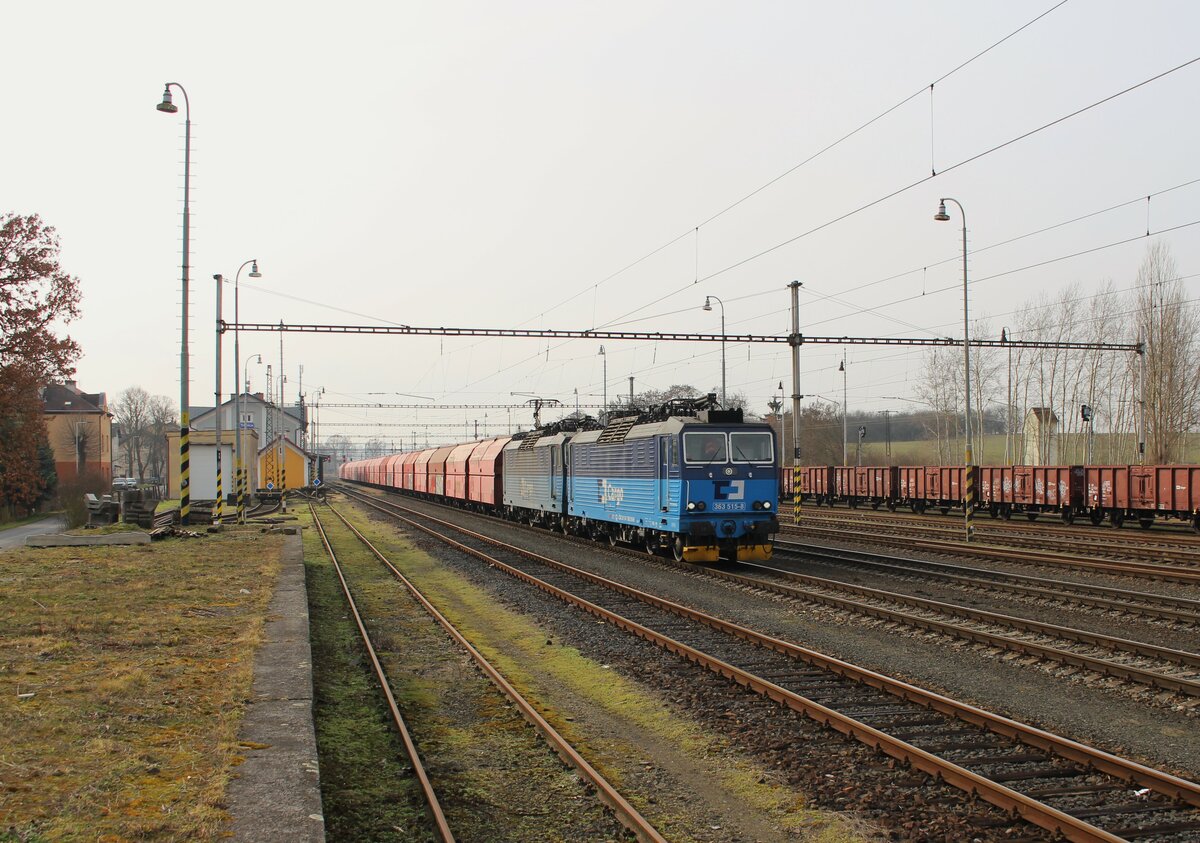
[1161, 607]
[1146, 546]
[1187, 571]
[1066, 787]
[626, 814]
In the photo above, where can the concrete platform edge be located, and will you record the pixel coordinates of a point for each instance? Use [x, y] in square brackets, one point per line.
[276, 793]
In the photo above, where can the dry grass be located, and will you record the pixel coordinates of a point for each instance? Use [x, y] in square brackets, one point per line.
[123, 673]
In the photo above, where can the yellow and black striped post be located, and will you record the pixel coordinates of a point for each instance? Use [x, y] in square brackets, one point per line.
[219, 506]
[185, 474]
[241, 501]
[969, 501]
[282, 473]
[795, 496]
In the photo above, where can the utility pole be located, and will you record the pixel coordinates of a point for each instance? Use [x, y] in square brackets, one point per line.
[219, 410]
[795, 340]
[631, 390]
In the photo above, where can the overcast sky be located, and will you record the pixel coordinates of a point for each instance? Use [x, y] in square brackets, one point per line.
[498, 164]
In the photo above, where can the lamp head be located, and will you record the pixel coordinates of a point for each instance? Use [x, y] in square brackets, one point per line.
[166, 104]
[842, 366]
[1004, 335]
[254, 273]
[601, 349]
[941, 215]
[218, 277]
[707, 304]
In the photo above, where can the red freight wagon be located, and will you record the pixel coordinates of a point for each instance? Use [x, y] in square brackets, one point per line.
[456, 470]
[1143, 492]
[406, 470]
[1005, 489]
[485, 484]
[923, 486]
[420, 472]
[436, 484]
[816, 482]
[858, 484]
[391, 471]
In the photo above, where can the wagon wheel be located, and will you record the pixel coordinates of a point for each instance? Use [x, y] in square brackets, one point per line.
[1006, 512]
[1032, 515]
[1096, 516]
[874, 504]
[945, 510]
[612, 538]
[891, 505]
[652, 545]
[1068, 515]
[1146, 523]
[677, 548]
[1196, 523]
[1116, 518]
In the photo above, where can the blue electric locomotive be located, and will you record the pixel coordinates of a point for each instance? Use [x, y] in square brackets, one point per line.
[686, 478]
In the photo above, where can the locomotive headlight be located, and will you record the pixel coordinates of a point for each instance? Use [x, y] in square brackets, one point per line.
[758, 505]
[700, 506]
[766, 504]
[691, 505]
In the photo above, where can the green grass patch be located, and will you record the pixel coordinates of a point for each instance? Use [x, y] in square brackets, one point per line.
[122, 680]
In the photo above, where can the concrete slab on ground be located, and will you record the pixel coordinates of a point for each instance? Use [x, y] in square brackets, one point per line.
[275, 794]
[105, 540]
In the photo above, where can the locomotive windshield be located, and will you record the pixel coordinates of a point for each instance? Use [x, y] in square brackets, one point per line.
[751, 447]
[704, 447]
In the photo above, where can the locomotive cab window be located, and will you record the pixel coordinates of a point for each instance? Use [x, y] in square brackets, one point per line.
[705, 448]
[751, 447]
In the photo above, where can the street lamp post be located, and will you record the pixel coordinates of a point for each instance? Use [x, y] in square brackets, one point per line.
[845, 446]
[708, 306]
[169, 107]
[237, 398]
[969, 479]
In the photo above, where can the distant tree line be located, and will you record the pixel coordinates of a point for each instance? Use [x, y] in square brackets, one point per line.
[1155, 311]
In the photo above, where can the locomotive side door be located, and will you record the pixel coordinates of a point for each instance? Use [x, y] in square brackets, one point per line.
[670, 472]
[661, 481]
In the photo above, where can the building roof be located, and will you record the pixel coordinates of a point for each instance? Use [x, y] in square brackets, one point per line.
[290, 444]
[68, 398]
[201, 413]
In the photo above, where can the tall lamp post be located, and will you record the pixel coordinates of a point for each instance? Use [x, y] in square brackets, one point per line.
[969, 482]
[845, 431]
[237, 398]
[169, 107]
[708, 300]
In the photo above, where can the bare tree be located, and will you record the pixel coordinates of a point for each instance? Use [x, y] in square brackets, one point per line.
[1170, 329]
[132, 411]
[162, 417]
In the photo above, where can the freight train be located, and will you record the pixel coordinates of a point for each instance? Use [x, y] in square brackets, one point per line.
[1116, 493]
[685, 478]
